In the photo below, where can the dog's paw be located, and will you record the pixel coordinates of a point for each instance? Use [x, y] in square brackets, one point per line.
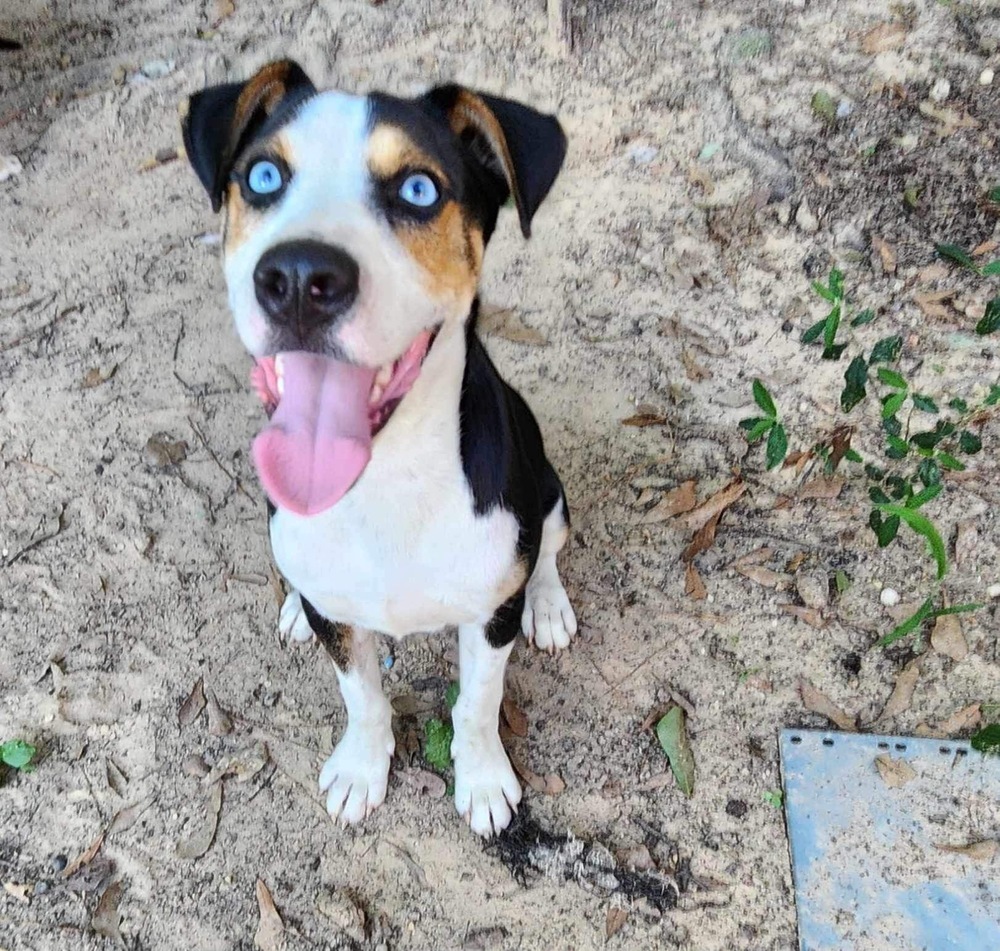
[356, 775]
[486, 790]
[548, 620]
[292, 622]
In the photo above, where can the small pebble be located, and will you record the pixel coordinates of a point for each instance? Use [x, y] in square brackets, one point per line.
[993, 591]
[889, 597]
[805, 218]
[736, 808]
[844, 108]
[58, 862]
[10, 165]
[940, 90]
[642, 154]
[388, 662]
[986, 77]
[41, 887]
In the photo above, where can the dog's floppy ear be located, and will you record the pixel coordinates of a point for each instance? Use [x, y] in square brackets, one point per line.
[218, 120]
[523, 147]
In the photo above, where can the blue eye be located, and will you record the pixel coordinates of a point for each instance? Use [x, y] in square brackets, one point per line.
[419, 190]
[264, 178]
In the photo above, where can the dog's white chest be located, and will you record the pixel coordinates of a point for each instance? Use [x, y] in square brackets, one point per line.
[403, 552]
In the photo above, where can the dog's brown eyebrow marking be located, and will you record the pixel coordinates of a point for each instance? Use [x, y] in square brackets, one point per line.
[390, 150]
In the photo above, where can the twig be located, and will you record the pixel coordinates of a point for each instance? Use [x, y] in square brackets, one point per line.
[17, 556]
[31, 334]
[560, 28]
[215, 459]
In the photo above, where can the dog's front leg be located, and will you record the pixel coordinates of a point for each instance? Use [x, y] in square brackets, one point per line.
[356, 775]
[486, 789]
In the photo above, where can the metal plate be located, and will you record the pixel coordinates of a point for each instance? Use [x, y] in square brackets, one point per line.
[869, 873]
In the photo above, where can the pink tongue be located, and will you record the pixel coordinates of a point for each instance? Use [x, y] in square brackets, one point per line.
[319, 439]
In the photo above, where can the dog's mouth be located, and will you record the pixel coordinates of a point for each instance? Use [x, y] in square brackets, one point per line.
[324, 414]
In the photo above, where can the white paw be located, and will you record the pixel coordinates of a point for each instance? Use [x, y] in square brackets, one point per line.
[548, 620]
[486, 790]
[292, 622]
[356, 775]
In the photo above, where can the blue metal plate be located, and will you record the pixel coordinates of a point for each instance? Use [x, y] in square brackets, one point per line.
[869, 873]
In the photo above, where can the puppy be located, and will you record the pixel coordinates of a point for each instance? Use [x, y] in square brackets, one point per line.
[408, 483]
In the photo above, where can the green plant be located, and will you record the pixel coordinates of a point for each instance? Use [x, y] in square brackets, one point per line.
[437, 743]
[775, 798]
[17, 754]
[915, 453]
[987, 740]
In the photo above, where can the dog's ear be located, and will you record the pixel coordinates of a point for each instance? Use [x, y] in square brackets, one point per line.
[522, 147]
[218, 121]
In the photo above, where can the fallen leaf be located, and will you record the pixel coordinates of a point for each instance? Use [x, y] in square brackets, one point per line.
[637, 858]
[95, 377]
[694, 587]
[961, 720]
[932, 304]
[515, 717]
[947, 637]
[715, 505]
[223, 9]
[645, 419]
[192, 705]
[505, 322]
[343, 913]
[822, 488]
[220, 723]
[764, 576]
[902, 693]
[128, 816]
[983, 851]
[816, 701]
[615, 921]
[244, 764]
[18, 891]
[987, 247]
[90, 877]
[811, 616]
[951, 120]
[409, 705]
[194, 765]
[677, 501]
[270, 932]
[758, 556]
[106, 919]
[550, 785]
[894, 772]
[85, 858]
[884, 37]
[671, 731]
[162, 451]
[702, 539]
[692, 369]
[424, 782]
[116, 779]
[966, 541]
[887, 253]
[200, 841]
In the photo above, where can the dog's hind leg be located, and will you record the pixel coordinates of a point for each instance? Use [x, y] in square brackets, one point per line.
[356, 775]
[292, 621]
[548, 620]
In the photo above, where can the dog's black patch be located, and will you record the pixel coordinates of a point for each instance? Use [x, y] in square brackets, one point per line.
[335, 637]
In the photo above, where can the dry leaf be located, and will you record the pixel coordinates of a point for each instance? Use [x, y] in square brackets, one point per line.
[244, 764]
[966, 541]
[764, 576]
[20, 892]
[714, 505]
[84, 859]
[162, 452]
[128, 816]
[515, 717]
[902, 693]
[894, 772]
[884, 37]
[887, 253]
[550, 785]
[677, 501]
[811, 616]
[702, 539]
[424, 782]
[90, 877]
[200, 841]
[223, 9]
[615, 921]
[94, 377]
[987, 247]
[694, 370]
[220, 723]
[932, 303]
[106, 919]
[961, 720]
[645, 419]
[983, 851]
[694, 587]
[758, 556]
[822, 488]
[504, 322]
[951, 119]
[116, 779]
[638, 857]
[193, 705]
[947, 637]
[818, 702]
[270, 932]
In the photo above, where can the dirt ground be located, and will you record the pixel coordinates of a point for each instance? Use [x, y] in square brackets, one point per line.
[134, 554]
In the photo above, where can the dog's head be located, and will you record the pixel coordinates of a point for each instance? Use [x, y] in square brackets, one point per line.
[355, 230]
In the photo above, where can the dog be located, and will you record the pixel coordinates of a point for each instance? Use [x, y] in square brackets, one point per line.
[408, 486]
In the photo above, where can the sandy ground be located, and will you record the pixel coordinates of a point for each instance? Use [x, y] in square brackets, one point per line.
[131, 569]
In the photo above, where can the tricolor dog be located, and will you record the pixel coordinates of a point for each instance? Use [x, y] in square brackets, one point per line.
[408, 483]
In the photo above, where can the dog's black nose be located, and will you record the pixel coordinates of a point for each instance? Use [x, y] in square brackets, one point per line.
[305, 284]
